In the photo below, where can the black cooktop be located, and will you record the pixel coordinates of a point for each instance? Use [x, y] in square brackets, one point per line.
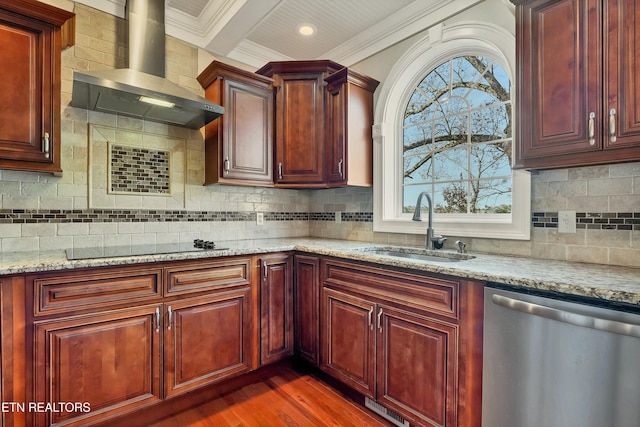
[150, 249]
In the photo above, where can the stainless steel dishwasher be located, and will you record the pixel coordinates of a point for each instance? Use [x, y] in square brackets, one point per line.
[552, 363]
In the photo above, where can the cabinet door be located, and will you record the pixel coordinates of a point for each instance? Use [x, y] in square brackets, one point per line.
[239, 144]
[336, 146]
[348, 340]
[25, 88]
[349, 139]
[559, 85]
[276, 309]
[248, 122]
[30, 85]
[109, 360]
[622, 74]
[417, 367]
[299, 129]
[307, 307]
[206, 339]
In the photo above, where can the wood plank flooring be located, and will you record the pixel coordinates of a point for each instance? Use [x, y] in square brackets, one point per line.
[288, 397]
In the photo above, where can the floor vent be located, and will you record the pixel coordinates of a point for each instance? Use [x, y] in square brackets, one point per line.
[386, 413]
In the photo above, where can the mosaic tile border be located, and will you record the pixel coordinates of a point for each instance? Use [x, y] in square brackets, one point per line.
[591, 220]
[585, 220]
[345, 216]
[32, 216]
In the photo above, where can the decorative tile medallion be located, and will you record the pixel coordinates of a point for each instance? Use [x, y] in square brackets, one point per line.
[138, 170]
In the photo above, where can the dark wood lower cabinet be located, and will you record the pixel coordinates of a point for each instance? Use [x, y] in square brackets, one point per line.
[349, 340]
[276, 309]
[206, 339]
[100, 365]
[307, 308]
[164, 336]
[417, 366]
[411, 342]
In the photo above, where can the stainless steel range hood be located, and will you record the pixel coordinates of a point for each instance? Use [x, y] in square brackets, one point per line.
[141, 91]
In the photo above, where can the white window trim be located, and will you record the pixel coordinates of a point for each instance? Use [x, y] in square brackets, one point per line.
[468, 37]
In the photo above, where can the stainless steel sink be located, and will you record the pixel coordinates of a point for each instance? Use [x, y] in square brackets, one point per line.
[419, 254]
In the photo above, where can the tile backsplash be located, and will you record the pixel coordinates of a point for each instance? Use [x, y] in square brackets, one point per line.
[83, 208]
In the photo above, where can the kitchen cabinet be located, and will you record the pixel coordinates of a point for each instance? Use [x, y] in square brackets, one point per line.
[32, 35]
[276, 308]
[206, 339]
[577, 83]
[110, 360]
[349, 140]
[411, 342]
[307, 307]
[300, 114]
[96, 339]
[308, 147]
[238, 144]
[127, 338]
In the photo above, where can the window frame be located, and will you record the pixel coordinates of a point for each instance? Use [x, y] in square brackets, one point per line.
[441, 44]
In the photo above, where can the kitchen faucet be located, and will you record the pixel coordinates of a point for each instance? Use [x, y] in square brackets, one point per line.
[432, 242]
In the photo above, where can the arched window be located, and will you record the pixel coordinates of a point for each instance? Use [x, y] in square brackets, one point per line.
[457, 138]
[444, 126]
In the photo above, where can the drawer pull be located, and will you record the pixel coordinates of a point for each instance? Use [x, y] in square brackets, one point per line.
[157, 319]
[380, 321]
[226, 165]
[612, 125]
[170, 318]
[370, 320]
[265, 272]
[280, 170]
[45, 145]
[340, 163]
[592, 132]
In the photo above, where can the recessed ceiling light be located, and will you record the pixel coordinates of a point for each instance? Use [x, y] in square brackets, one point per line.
[306, 29]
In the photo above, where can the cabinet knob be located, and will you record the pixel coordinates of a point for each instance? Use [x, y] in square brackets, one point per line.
[45, 145]
[612, 125]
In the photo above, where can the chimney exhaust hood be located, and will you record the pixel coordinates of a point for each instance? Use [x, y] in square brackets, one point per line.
[141, 91]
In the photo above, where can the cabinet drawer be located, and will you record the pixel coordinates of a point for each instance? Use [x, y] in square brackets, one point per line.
[82, 289]
[423, 292]
[196, 277]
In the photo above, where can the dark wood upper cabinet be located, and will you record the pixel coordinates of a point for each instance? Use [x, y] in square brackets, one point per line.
[322, 111]
[300, 120]
[239, 144]
[577, 83]
[32, 35]
[349, 140]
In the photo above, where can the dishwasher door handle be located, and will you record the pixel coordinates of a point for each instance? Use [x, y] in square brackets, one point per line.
[606, 325]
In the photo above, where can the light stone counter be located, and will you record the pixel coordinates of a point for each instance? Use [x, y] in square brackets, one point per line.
[610, 283]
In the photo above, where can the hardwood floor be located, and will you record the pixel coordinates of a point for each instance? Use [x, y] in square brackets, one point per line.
[287, 398]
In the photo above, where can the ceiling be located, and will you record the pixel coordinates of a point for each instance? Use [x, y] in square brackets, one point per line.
[258, 31]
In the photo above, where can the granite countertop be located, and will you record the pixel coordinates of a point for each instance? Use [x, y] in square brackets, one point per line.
[610, 283]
